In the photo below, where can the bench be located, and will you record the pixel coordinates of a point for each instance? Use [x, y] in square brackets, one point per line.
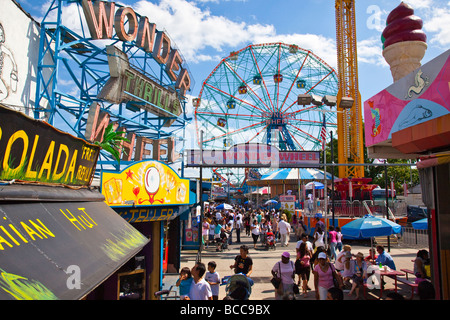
[411, 284]
[406, 271]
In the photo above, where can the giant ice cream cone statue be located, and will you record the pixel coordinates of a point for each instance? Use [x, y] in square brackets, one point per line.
[404, 42]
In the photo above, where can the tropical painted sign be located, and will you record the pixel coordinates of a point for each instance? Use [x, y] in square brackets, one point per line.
[34, 151]
[145, 183]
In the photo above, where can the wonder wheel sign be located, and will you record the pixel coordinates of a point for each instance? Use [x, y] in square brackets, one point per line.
[120, 68]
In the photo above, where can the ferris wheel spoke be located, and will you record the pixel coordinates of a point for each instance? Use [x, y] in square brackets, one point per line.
[278, 72]
[312, 122]
[232, 96]
[251, 97]
[258, 133]
[231, 115]
[235, 131]
[298, 143]
[310, 89]
[213, 124]
[254, 93]
[293, 82]
[306, 134]
[262, 78]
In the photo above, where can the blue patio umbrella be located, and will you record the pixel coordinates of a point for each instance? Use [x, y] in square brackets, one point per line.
[421, 224]
[317, 185]
[271, 202]
[370, 226]
[225, 206]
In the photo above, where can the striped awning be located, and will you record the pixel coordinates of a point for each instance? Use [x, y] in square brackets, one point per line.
[293, 174]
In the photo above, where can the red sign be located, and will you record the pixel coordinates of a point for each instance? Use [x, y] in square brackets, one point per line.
[252, 155]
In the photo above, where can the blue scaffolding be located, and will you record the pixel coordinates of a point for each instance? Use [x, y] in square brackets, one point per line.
[73, 69]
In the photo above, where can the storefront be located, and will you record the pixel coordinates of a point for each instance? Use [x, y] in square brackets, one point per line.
[151, 197]
[58, 239]
[411, 119]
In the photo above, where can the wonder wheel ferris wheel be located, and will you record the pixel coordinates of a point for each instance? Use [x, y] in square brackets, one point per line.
[251, 96]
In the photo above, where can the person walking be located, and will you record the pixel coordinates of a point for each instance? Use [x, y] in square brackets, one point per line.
[284, 228]
[318, 238]
[324, 273]
[205, 232]
[339, 238]
[213, 278]
[238, 228]
[309, 245]
[255, 232]
[302, 267]
[247, 224]
[275, 226]
[264, 228]
[284, 270]
[219, 228]
[332, 234]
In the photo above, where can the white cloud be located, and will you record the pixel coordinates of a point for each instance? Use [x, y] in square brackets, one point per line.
[195, 30]
[438, 25]
[370, 51]
[420, 4]
[323, 47]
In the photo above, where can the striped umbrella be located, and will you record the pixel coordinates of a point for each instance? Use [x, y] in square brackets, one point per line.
[293, 174]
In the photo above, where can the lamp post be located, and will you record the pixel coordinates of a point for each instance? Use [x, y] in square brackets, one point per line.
[330, 101]
[200, 225]
[332, 179]
[229, 184]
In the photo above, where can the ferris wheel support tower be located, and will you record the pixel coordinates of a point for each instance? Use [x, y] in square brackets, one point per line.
[349, 122]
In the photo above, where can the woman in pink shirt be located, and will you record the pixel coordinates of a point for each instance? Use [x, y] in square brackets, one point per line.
[332, 234]
[323, 277]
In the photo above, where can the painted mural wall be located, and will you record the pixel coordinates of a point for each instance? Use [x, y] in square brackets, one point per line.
[19, 49]
[421, 96]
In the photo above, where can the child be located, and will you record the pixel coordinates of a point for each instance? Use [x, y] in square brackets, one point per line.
[213, 278]
[184, 282]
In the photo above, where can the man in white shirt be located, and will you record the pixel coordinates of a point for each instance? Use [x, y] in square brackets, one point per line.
[200, 288]
[284, 228]
[309, 245]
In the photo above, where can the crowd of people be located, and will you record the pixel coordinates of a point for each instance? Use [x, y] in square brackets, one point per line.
[220, 224]
[336, 270]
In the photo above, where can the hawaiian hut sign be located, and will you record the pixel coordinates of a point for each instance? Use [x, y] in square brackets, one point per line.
[34, 151]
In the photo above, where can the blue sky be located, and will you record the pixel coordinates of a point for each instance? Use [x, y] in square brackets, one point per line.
[205, 31]
[208, 30]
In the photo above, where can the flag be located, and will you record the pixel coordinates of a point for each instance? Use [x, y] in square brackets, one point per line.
[323, 133]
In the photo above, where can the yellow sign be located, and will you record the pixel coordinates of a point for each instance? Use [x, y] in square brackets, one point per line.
[145, 183]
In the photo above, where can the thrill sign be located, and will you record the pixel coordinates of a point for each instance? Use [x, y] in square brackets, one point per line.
[32, 150]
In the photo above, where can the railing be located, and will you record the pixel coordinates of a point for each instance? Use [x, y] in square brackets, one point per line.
[411, 237]
[356, 208]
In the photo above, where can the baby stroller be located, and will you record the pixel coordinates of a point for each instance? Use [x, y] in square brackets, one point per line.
[270, 241]
[238, 287]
